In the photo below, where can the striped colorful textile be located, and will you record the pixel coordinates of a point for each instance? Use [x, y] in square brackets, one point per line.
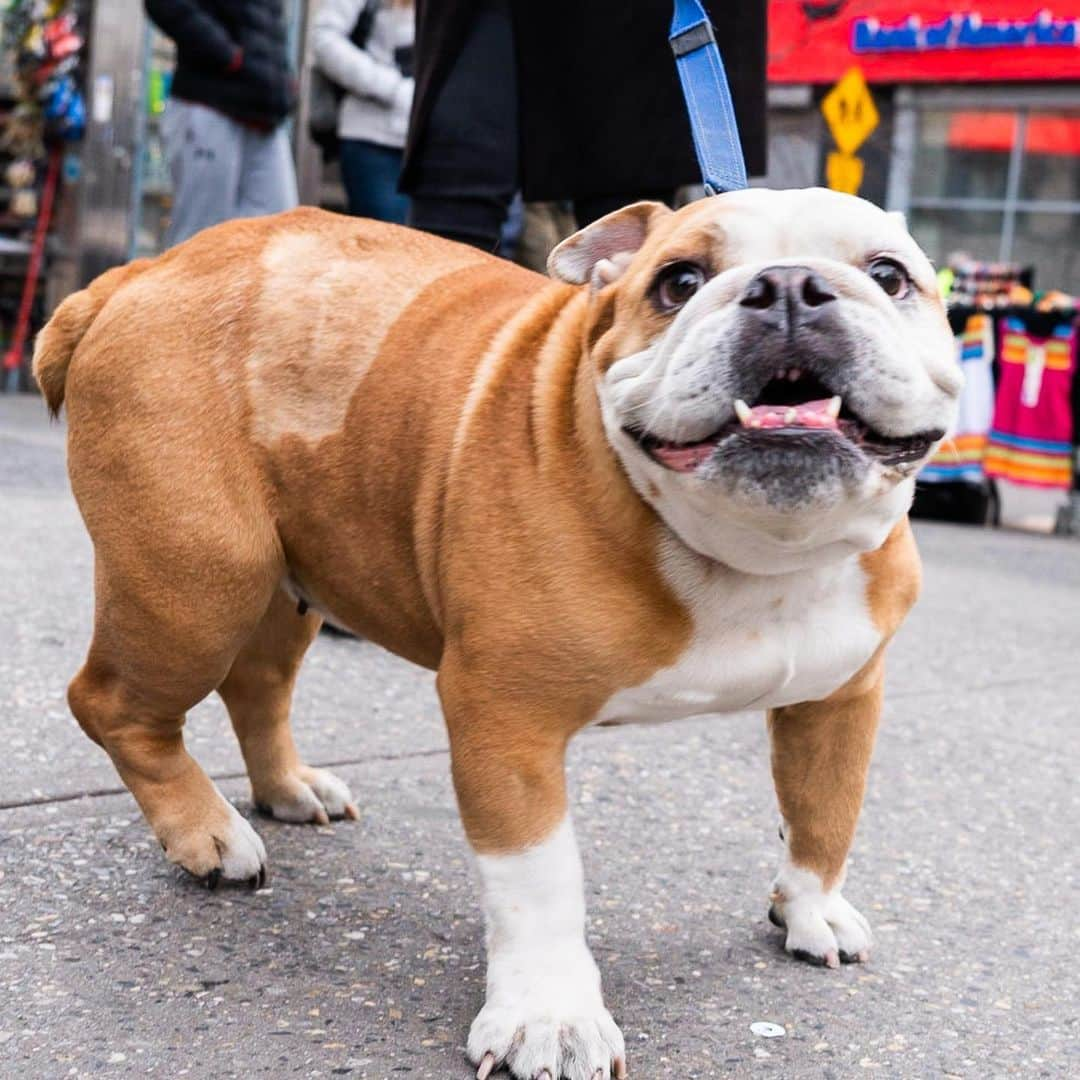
[1032, 433]
[960, 456]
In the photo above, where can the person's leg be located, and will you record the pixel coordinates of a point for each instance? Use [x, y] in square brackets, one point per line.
[467, 168]
[593, 207]
[370, 173]
[204, 149]
[267, 174]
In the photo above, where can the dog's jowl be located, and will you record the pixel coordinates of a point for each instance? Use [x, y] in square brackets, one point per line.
[673, 481]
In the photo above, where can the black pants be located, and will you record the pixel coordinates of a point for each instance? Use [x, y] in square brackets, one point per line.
[467, 169]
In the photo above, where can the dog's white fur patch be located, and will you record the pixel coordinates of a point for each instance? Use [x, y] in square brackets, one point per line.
[759, 642]
[300, 380]
[820, 923]
[244, 853]
[544, 1008]
[320, 791]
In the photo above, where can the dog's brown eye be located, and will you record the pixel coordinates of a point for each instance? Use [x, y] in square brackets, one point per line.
[675, 284]
[891, 276]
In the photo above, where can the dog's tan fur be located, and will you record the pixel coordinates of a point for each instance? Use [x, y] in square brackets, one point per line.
[399, 430]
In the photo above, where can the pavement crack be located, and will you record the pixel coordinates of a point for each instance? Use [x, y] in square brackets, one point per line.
[101, 793]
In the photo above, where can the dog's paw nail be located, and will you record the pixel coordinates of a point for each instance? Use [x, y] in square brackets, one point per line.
[543, 1074]
[321, 817]
[351, 812]
[775, 919]
[211, 880]
[619, 1068]
[832, 959]
[487, 1064]
[598, 1075]
[863, 956]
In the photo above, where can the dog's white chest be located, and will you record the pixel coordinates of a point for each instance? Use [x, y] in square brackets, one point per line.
[758, 643]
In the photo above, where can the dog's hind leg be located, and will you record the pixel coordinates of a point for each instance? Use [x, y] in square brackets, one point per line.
[158, 649]
[258, 694]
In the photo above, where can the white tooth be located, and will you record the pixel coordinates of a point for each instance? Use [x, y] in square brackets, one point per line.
[742, 410]
[833, 408]
[790, 416]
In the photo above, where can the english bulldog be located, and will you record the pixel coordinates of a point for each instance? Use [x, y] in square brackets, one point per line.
[672, 481]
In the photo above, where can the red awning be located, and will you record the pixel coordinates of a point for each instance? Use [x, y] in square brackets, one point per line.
[996, 131]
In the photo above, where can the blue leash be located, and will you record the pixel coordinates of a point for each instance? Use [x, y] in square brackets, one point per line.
[708, 99]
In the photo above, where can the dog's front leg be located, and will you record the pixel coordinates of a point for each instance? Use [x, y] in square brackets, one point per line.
[544, 1009]
[820, 756]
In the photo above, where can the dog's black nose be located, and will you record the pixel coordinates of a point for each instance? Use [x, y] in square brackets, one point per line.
[794, 291]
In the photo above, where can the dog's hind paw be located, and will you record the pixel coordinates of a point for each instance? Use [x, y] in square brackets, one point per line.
[220, 847]
[308, 796]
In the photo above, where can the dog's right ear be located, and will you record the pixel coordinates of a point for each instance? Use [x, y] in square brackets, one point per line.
[600, 252]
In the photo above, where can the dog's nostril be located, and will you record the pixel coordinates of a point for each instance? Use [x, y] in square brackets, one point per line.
[815, 291]
[760, 293]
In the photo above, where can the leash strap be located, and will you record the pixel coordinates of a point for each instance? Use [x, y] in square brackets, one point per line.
[708, 99]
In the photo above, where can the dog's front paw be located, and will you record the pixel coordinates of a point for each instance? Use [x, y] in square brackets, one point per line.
[553, 1024]
[822, 927]
[220, 844]
[306, 796]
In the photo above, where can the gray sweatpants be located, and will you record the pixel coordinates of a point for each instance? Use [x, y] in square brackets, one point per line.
[222, 169]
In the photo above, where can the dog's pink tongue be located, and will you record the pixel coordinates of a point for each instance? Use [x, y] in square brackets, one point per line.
[821, 415]
[810, 414]
[684, 458]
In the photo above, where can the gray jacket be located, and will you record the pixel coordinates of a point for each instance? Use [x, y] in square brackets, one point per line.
[378, 96]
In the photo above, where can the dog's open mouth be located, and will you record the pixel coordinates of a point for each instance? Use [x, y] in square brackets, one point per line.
[792, 403]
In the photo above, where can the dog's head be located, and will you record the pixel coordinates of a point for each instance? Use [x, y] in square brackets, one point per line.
[772, 368]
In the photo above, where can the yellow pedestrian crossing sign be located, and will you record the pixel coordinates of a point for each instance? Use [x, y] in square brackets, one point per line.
[850, 111]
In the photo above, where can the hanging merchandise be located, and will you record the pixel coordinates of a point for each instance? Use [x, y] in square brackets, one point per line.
[960, 456]
[14, 355]
[50, 105]
[49, 111]
[987, 285]
[1031, 439]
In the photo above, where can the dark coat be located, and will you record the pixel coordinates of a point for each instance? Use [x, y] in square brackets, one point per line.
[600, 108]
[231, 55]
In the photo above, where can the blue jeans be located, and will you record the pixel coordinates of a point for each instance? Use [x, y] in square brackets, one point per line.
[370, 173]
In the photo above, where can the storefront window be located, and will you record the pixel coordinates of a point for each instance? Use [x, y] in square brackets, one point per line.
[941, 232]
[963, 154]
[1000, 185]
[1051, 243]
[1050, 169]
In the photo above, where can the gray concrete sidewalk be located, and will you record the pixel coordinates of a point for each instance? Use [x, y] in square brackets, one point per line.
[363, 957]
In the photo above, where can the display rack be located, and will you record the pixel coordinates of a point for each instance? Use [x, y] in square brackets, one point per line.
[983, 506]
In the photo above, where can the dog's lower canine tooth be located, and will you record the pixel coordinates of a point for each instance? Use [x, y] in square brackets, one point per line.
[742, 410]
[833, 408]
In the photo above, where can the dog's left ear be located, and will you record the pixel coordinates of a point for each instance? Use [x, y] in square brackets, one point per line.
[600, 252]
